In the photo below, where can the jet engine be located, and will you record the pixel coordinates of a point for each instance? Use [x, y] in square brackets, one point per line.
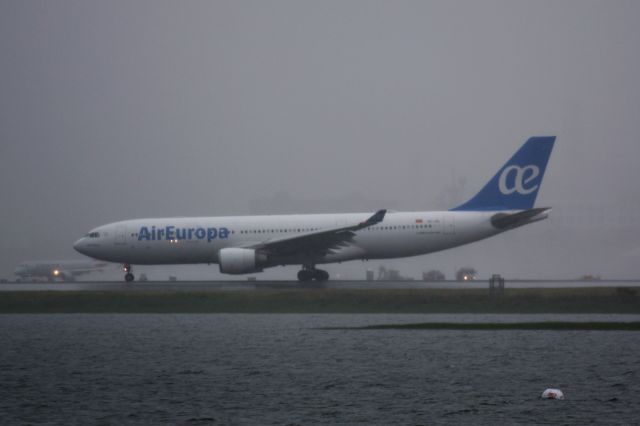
[235, 260]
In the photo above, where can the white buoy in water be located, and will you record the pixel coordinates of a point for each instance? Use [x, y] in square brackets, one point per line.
[552, 394]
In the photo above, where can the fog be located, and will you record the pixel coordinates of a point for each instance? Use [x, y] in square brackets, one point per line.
[117, 110]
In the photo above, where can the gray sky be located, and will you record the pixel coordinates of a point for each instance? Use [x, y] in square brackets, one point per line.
[116, 110]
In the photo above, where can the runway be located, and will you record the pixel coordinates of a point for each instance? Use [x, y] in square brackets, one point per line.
[237, 285]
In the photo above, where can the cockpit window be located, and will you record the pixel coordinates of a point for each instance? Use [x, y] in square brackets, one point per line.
[93, 235]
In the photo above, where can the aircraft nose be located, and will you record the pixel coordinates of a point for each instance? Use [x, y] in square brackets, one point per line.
[80, 246]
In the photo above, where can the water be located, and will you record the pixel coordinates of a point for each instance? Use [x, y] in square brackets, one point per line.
[282, 369]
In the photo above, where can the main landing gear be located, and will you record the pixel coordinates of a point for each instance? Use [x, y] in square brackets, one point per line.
[128, 276]
[309, 273]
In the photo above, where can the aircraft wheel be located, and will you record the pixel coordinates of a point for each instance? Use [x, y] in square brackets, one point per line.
[129, 277]
[305, 275]
[320, 275]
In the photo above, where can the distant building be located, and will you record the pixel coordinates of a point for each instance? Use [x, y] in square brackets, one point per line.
[433, 275]
[385, 274]
[370, 274]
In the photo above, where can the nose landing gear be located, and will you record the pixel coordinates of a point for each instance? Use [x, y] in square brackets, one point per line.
[128, 276]
[309, 273]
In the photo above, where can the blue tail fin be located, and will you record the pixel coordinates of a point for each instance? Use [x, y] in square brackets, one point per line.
[516, 184]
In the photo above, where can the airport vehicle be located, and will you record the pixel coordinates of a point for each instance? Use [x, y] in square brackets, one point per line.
[249, 244]
[65, 270]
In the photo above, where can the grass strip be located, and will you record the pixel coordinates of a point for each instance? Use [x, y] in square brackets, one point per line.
[544, 325]
[521, 301]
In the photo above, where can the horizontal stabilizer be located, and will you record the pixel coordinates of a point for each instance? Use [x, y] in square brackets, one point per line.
[508, 221]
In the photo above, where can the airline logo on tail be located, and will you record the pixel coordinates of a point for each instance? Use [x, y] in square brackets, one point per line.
[520, 179]
[516, 185]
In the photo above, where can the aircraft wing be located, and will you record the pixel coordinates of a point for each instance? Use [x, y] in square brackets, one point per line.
[316, 243]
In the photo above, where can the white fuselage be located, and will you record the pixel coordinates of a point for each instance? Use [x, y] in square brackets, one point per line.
[247, 244]
[199, 239]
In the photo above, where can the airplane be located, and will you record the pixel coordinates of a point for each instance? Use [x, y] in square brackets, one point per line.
[66, 270]
[249, 244]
